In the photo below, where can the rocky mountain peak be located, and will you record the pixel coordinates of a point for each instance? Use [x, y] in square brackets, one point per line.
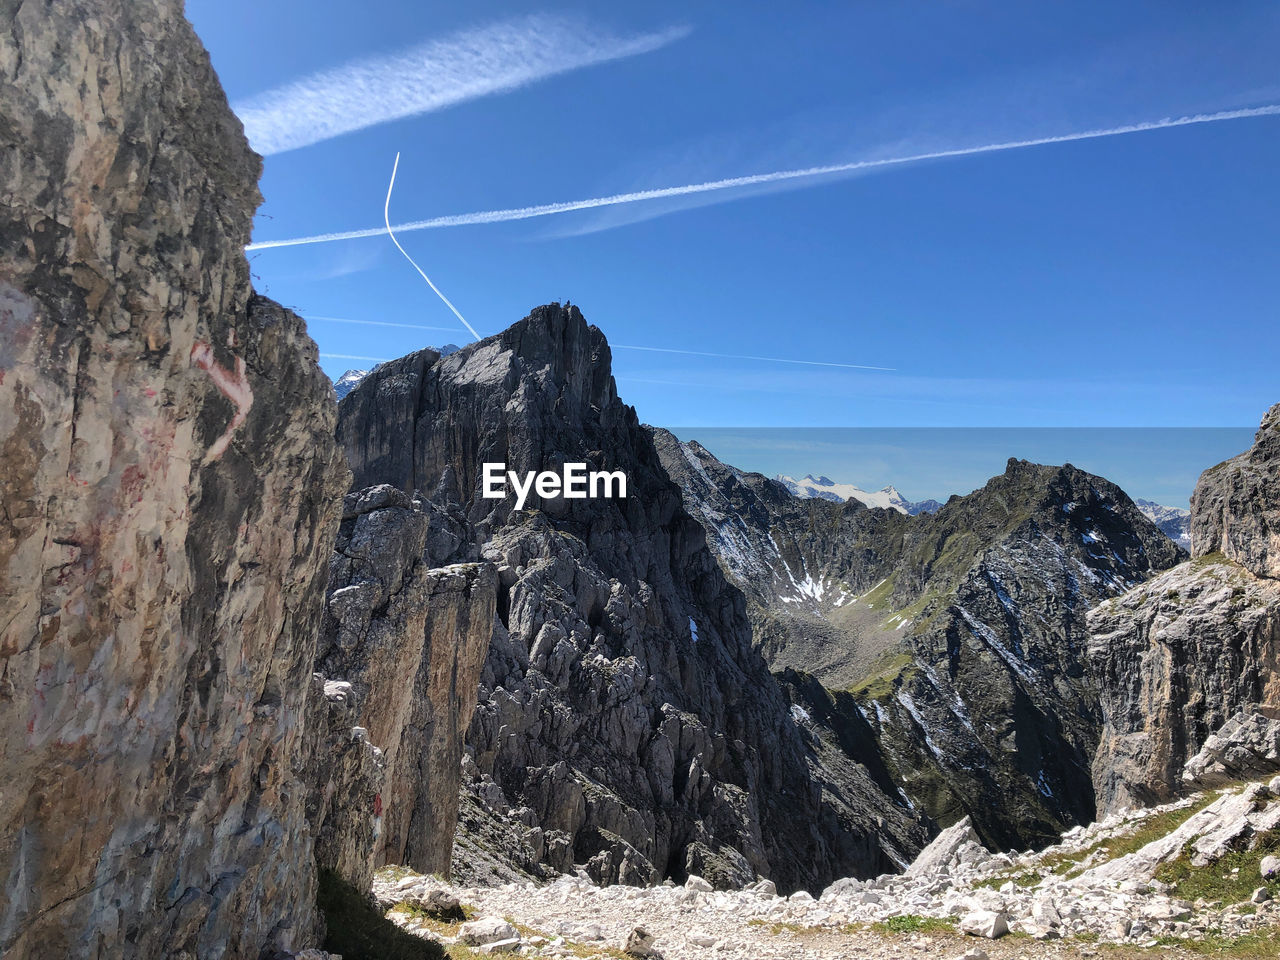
[556, 345]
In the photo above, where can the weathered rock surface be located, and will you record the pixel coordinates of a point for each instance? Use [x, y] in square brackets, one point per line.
[409, 639]
[1247, 747]
[345, 774]
[170, 493]
[1178, 656]
[952, 645]
[1235, 509]
[625, 723]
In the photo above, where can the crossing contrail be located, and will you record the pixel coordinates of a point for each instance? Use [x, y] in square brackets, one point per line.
[780, 176]
[386, 216]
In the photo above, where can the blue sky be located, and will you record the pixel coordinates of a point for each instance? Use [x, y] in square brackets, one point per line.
[1122, 280]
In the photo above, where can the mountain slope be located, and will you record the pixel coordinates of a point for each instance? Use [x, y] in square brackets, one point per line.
[958, 636]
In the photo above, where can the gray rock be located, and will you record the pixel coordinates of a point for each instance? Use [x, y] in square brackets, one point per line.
[1269, 867]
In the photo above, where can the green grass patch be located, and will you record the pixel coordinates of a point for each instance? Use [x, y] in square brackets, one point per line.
[1231, 879]
[356, 929]
[911, 923]
[887, 673]
[1026, 880]
[1259, 945]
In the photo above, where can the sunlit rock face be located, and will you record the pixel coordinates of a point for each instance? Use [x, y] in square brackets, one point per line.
[1177, 657]
[170, 494]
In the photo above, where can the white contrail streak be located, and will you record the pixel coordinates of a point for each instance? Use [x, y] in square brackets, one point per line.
[432, 76]
[382, 323]
[739, 356]
[386, 216]
[350, 356]
[806, 173]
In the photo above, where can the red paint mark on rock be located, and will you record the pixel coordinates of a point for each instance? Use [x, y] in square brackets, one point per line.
[233, 386]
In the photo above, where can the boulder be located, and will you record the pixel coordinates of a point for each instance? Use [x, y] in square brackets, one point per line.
[984, 923]
[640, 943]
[938, 857]
[487, 930]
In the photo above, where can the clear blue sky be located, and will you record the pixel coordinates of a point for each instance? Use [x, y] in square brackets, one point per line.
[1125, 280]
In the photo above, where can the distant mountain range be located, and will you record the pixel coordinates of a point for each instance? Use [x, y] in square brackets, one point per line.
[349, 380]
[825, 488]
[1174, 522]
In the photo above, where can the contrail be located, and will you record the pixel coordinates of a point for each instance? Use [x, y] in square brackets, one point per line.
[382, 323]
[550, 209]
[739, 356]
[349, 356]
[386, 216]
[432, 76]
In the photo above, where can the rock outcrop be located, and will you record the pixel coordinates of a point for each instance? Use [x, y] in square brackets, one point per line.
[1177, 657]
[625, 722]
[1246, 747]
[1173, 660]
[170, 493]
[952, 644]
[1235, 510]
[409, 639]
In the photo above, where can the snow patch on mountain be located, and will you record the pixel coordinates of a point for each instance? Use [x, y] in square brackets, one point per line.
[825, 488]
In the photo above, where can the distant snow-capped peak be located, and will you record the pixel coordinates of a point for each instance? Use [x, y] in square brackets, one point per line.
[827, 489]
[1174, 522]
[349, 380]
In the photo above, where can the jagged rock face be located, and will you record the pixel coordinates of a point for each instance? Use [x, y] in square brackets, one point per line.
[1178, 656]
[625, 722]
[956, 639]
[345, 775]
[170, 493]
[1174, 659]
[1235, 509]
[410, 639]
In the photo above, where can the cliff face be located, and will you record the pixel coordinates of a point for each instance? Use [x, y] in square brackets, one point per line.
[170, 492]
[951, 645]
[1177, 657]
[408, 638]
[1235, 510]
[624, 720]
